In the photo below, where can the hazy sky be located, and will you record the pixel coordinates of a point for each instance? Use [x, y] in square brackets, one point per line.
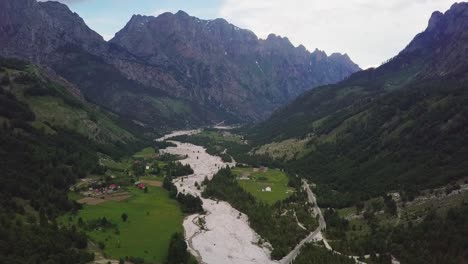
[370, 31]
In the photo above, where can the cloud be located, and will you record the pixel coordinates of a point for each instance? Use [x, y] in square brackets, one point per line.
[370, 31]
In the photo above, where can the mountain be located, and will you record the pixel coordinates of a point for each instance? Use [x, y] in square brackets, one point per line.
[171, 71]
[401, 126]
[217, 63]
[49, 34]
[36, 31]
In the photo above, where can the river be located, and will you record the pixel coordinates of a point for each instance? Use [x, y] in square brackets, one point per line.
[223, 234]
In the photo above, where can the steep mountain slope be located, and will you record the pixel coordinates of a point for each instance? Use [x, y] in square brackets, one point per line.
[218, 63]
[57, 105]
[48, 33]
[170, 72]
[400, 126]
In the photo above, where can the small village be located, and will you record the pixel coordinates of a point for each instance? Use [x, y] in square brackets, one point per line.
[114, 184]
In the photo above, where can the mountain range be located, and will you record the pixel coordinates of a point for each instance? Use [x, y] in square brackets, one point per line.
[400, 126]
[169, 71]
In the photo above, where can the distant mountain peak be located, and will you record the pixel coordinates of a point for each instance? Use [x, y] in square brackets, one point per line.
[434, 20]
[273, 38]
[182, 13]
[443, 44]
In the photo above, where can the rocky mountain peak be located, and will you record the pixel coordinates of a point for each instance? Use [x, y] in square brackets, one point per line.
[443, 43]
[319, 55]
[276, 41]
[181, 13]
[434, 20]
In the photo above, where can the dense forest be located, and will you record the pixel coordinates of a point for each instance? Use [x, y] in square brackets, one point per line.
[437, 239]
[188, 203]
[274, 223]
[177, 169]
[36, 172]
[178, 253]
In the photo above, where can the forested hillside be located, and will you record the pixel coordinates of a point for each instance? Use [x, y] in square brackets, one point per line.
[49, 138]
[401, 126]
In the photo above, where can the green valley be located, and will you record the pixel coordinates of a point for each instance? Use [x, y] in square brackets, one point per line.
[185, 140]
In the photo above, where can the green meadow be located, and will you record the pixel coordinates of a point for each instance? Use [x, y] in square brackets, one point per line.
[152, 218]
[275, 179]
[146, 153]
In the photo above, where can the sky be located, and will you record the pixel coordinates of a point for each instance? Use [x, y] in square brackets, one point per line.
[369, 31]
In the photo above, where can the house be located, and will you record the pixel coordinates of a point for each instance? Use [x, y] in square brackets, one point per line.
[268, 189]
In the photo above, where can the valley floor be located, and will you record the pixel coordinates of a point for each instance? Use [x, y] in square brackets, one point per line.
[223, 235]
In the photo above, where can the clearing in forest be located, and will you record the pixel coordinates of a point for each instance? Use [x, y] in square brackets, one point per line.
[267, 185]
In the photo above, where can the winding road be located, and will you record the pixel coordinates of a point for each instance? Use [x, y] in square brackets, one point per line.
[315, 235]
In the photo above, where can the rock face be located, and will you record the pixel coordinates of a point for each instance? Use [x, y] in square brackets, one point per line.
[214, 62]
[446, 41]
[173, 70]
[35, 31]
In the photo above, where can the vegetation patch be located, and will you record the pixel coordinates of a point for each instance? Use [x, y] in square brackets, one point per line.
[152, 219]
[219, 143]
[285, 150]
[267, 185]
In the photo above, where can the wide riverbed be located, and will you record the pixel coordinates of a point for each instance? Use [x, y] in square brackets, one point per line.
[223, 234]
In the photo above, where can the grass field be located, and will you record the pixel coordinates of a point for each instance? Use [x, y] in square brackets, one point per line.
[145, 153]
[275, 179]
[152, 218]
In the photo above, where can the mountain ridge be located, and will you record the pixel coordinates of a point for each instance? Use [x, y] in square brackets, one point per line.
[179, 41]
[213, 80]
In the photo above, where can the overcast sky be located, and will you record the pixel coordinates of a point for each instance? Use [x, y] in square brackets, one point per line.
[369, 31]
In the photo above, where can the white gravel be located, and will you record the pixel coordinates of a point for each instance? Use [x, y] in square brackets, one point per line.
[226, 236]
